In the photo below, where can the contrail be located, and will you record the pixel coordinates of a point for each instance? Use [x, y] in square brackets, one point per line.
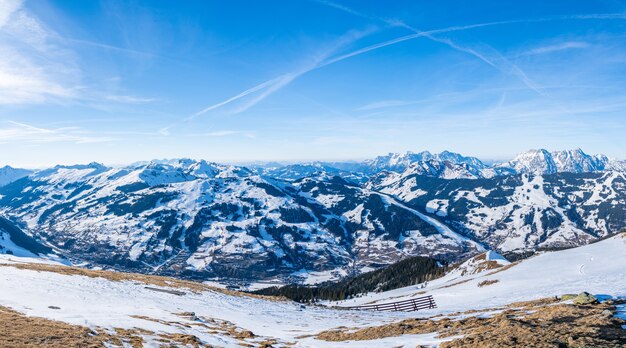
[238, 96]
[281, 81]
[514, 69]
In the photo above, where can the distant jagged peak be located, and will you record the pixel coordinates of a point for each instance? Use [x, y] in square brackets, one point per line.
[91, 165]
[542, 161]
[401, 161]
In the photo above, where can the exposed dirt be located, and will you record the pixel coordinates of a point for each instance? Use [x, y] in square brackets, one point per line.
[541, 323]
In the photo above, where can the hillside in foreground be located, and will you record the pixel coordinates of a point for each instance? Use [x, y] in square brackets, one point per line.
[72, 307]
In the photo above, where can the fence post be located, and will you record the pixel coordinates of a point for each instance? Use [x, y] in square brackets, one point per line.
[414, 305]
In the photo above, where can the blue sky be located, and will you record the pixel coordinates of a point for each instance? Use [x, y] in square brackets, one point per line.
[235, 81]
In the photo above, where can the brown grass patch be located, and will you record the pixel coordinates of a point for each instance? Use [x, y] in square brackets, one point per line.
[503, 268]
[487, 282]
[455, 284]
[18, 330]
[535, 324]
[182, 339]
[210, 325]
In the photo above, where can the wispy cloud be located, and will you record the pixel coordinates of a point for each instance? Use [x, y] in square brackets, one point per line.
[32, 69]
[562, 46]
[129, 99]
[109, 47]
[25, 133]
[225, 133]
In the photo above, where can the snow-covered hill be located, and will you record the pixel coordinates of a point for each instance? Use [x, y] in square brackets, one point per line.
[597, 268]
[14, 241]
[292, 172]
[103, 301]
[122, 308]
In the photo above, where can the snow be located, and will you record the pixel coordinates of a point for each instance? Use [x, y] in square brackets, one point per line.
[329, 200]
[438, 207]
[98, 302]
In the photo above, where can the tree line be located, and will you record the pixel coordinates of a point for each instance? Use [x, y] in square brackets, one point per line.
[410, 271]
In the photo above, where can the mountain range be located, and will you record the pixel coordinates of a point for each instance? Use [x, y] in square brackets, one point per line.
[450, 165]
[201, 220]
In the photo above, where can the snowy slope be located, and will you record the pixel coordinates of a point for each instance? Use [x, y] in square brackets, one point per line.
[7, 246]
[596, 268]
[101, 303]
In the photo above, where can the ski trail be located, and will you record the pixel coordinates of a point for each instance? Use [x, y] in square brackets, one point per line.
[441, 228]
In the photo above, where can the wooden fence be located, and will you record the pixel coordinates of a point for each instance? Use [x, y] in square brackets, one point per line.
[410, 305]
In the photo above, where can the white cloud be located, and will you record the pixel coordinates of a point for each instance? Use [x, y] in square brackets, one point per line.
[25, 133]
[32, 69]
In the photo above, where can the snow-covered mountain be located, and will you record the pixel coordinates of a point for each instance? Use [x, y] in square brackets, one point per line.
[566, 161]
[449, 165]
[291, 172]
[445, 164]
[199, 219]
[202, 219]
[9, 174]
[519, 212]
